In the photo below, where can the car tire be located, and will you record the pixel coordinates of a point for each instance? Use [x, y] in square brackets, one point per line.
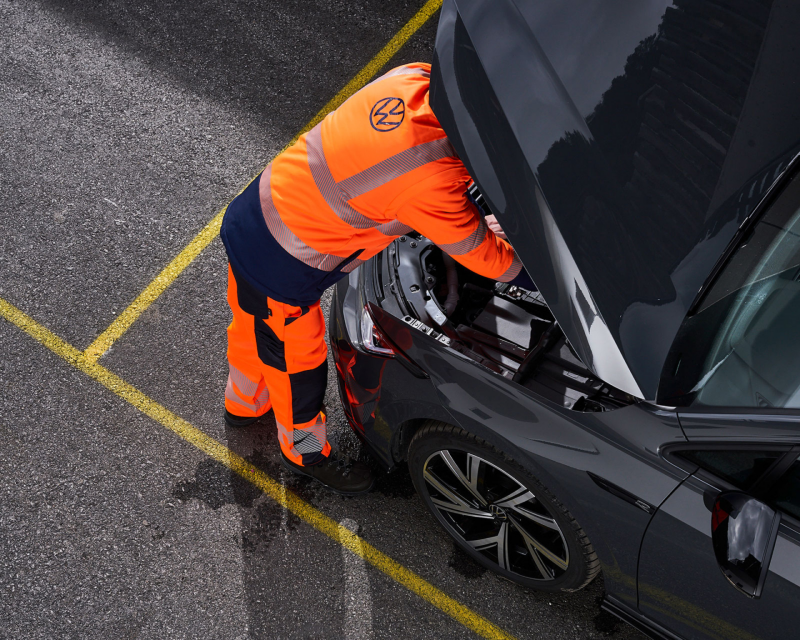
[497, 512]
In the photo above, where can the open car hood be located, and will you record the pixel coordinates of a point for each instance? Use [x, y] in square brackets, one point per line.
[620, 144]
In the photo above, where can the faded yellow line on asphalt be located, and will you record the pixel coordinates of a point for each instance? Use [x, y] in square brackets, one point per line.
[236, 463]
[124, 321]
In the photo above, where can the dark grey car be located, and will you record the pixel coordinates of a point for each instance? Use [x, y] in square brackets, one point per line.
[639, 414]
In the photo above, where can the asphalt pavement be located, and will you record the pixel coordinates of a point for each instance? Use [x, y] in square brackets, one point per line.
[124, 127]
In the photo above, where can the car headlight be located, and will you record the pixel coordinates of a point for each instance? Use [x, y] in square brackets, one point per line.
[372, 340]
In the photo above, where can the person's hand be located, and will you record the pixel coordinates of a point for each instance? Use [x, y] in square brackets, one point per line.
[494, 225]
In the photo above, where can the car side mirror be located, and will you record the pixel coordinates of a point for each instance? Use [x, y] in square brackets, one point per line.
[743, 532]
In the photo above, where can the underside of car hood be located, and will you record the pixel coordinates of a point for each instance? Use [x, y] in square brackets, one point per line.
[621, 145]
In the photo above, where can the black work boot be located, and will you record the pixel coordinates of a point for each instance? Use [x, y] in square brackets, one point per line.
[237, 421]
[338, 473]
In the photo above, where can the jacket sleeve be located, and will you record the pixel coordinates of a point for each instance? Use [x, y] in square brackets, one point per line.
[439, 209]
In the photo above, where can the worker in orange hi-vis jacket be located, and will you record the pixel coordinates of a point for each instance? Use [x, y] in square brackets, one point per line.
[376, 168]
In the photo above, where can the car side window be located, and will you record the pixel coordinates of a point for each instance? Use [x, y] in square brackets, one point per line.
[741, 347]
[785, 494]
[740, 468]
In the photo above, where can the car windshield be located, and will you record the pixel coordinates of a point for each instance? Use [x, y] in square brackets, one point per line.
[741, 348]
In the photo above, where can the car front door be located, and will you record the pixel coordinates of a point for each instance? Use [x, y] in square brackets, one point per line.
[733, 372]
[680, 584]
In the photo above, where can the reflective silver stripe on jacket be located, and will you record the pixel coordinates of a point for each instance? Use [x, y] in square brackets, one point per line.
[472, 241]
[290, 242]
[333, 196]
[336, 195]
[352, 265]
[512, 272]
[395, 228]
[394, 167]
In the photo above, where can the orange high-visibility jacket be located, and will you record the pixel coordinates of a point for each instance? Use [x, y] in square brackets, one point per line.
[374, 169]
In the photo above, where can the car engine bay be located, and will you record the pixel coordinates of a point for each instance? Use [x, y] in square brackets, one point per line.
[504, 328]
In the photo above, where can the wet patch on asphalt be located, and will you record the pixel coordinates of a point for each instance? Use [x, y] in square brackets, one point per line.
[302, 486]
[262, 524]
[215, 485]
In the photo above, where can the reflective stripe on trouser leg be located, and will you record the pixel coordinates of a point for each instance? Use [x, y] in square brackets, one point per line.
[280, 360]
[290, 345]
[297, 373]
[308, 442]
[242, 391]
[246, 392]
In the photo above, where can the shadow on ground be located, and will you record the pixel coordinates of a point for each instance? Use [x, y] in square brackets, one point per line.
[268, 59]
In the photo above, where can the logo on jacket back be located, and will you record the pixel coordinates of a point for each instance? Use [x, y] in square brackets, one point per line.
[387, 114]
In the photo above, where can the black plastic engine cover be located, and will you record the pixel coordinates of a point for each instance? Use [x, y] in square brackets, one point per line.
[507, 320]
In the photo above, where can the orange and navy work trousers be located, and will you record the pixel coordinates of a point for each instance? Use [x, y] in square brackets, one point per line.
[277, 358]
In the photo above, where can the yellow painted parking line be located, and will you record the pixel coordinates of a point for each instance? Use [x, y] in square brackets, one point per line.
[236, 463]
[124, 321]
[374, 65]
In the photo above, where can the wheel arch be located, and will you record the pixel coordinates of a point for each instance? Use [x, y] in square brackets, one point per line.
[536, 474]
[537, 466]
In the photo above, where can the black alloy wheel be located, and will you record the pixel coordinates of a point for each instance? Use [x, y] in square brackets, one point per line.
[497, 512]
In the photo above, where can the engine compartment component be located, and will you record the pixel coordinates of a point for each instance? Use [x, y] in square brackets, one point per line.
[509, 321]
[504, 328]
[451, 301]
